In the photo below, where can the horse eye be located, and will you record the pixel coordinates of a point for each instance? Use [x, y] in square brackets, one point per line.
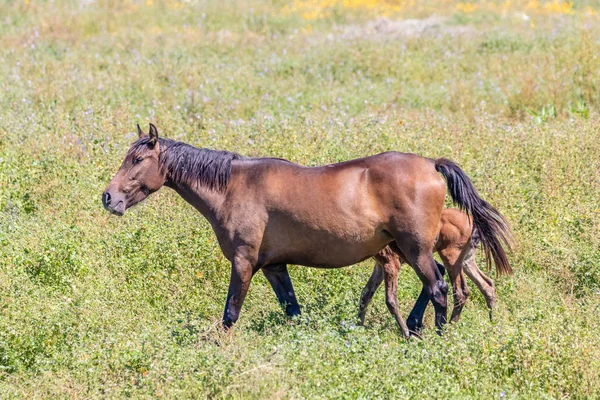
[137, 160]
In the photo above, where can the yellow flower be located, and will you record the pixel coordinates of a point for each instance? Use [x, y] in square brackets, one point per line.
[467, 7]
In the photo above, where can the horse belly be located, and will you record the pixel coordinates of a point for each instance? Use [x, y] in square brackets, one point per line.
[334, 256]
[293, 243]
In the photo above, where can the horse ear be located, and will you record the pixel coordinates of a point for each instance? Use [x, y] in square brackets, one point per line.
[141, 133]
[153, 134]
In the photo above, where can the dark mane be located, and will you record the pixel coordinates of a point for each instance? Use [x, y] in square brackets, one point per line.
[192, 166]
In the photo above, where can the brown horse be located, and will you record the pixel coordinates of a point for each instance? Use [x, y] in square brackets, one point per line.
[456, 245]
[267, 212]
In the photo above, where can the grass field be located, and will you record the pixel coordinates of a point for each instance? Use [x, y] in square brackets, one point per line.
[95, 306]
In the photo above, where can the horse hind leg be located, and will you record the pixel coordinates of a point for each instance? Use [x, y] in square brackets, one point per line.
[453, 261]
[419, 256]
[460, 294]
[483, 283]
[415, 319]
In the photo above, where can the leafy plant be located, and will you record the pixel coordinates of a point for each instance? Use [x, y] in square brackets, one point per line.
[544, 114]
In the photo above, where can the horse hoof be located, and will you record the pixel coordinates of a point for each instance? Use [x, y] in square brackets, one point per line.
[414, 325]
[227, 325]
[293, 311]
[415, 335]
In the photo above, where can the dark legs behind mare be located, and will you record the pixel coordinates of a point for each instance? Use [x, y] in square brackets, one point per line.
[242, 271]
[280, 281]
[375, 281]
[435, 287]
[415, 318]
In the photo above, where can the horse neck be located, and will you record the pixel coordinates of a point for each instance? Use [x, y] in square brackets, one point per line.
[203, 196]
[203, 199]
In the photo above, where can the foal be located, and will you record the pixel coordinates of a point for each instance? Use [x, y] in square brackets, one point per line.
[267, 213]
[456, 245]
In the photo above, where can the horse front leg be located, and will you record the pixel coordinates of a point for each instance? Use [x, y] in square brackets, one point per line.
[391, 295]
[281, 282]
[369, 290]
[242, 270]
[391, 268]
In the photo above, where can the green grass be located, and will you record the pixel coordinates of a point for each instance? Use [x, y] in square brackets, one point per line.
[95, 306]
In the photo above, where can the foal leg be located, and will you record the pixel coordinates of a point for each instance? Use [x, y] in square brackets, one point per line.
[280, 281]
[242, 270]
[484, 284]
[453, 260]
[369, 290]
[391, 268]
[460, 292]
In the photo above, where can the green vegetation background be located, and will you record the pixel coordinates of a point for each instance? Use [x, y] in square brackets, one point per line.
[92, 305]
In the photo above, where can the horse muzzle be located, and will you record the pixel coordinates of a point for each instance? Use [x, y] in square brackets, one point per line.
[114, 205]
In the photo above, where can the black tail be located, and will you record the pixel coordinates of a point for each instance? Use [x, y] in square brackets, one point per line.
[491, 227]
